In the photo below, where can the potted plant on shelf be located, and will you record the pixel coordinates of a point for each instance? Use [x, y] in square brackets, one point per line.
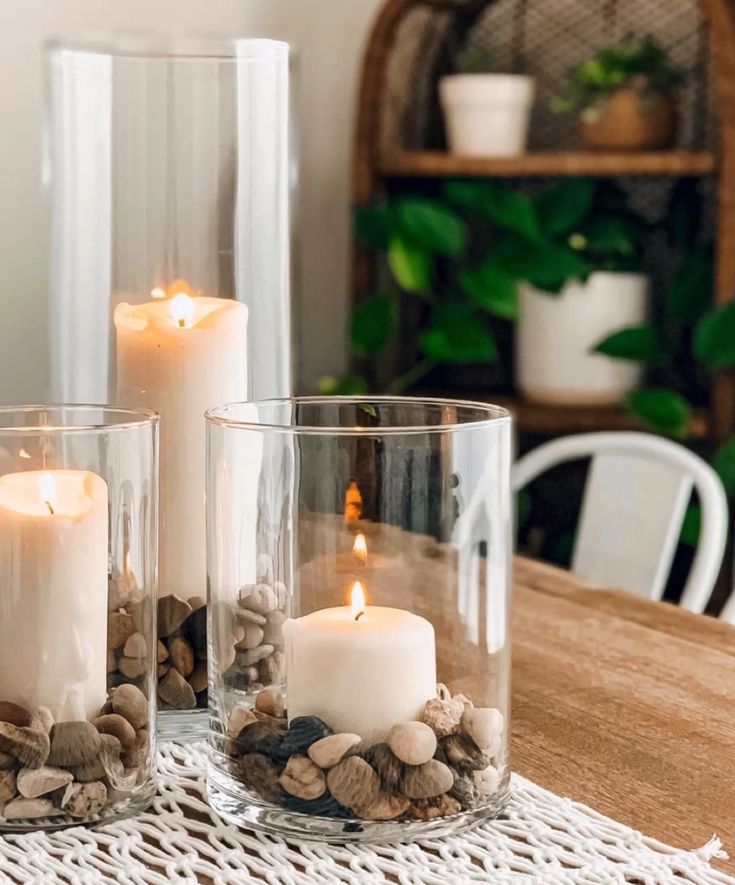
[486, 114]
[625, 96]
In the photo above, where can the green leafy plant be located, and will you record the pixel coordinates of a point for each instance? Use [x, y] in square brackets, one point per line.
[637, 62]
[474, 60]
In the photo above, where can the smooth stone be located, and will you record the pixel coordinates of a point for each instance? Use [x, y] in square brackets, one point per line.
[227, 657]
[303, 778]
[353, 783]
[252, 636]
[303, 731]
[245, 616]
[132, 667]
[181, 655]
[111, 661]
[487, 781]
[86, 800]
[412, 742]
[42, 719]
[239, 718]
[118, 726]
[195, 628]
[120, 627]
[111, 748]
[276, 618]
[135, 646]
[161, 652]
[328, 751]
[259, 598]
[91, 771]
[254, 655]
[387, 806]
[425, 781]
[130, 702]
[270, 702]
[30, 809]
[281, 592]
[14, 714]
[464, 791]
[7, 788]
[484, 725]
[271, 669]
[35, 782]
[7, 761]
[174, 690]
[259, 774]
[198, 679]
[386, 763]
[118, 593]
[172, 612]
[263, 569]
[273, 635]
[262, 736]
[433, 809]
[196, 602]
[461, 752]
[443, 717]
[162, 670]
[142, 614]
[28, 745]
[73, 744]
[324, 806]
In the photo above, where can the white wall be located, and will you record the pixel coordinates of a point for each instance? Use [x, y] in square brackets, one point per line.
[328, 35]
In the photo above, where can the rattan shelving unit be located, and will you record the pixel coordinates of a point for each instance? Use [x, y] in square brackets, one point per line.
[399, 133]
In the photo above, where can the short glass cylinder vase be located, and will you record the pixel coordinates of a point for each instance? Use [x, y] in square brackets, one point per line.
[78, 649]
[170, 179]
[359, 556]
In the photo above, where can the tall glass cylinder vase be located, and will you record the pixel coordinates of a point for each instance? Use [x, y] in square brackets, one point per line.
[78, 488]
[359, 555]
[169, 166]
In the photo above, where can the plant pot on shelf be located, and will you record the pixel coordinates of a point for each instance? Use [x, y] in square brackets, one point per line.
[487, 115]
[630, 119]
[555, 336]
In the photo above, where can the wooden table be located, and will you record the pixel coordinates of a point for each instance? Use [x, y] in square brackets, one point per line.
[626, 705]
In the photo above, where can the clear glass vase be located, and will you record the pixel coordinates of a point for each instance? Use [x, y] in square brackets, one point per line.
[359, 556]
[169, 167]
[78, 649]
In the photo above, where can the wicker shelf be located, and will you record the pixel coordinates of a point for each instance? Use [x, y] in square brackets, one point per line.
[427, 164]
[531, 417]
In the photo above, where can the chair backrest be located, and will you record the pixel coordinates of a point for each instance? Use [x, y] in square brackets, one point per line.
[635, 498]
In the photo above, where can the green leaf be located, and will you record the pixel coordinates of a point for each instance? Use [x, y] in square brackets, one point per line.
[492, 288]
[547, 266]
[563, 206]
[348, 385]
[466, 194]
[373, 225]
[690, 292]
[512, 210]
[411, 267]
[610, 235]
[431, 225]
[639, 344]
[373, 325]
[714, 337]
[662, 410]
[457, 335]
[691, 525]
[724, 464]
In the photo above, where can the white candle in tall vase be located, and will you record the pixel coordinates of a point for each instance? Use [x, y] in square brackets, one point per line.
[180, 356]
[53, 599]
[362, 669]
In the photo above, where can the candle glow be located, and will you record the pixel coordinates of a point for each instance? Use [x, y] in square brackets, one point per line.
[359, 549]
[357, 602]
[182, 309]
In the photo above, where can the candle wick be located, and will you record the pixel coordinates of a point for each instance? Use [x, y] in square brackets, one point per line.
[50, 508]
[359, 615]
[182, 323]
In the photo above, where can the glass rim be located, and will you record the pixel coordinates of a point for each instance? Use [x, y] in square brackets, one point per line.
[144, 44]
[495, 416]
[125, 419]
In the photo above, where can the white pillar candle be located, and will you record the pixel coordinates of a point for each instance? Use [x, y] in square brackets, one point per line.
[53, 591]
[363, 674]
[180, 356]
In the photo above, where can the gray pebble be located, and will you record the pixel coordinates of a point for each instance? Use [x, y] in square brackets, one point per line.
[7, 788]
[30, 809]
[35, 782]
[252, 636]
[259, 774]
[412, 742]
[353, 783]
[303, 778]
[328, 751]
[172, 612]
[174, 690]
[86, 800]
[73, 743]
[258, 598]
[254, 655]
[424, 781]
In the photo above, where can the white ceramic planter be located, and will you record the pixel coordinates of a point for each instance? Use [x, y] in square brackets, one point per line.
[487, 115]
[555, 335]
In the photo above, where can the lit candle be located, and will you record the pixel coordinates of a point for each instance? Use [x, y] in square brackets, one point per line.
[359, 549]
[53, 600]
[362, 669]
[180, 355]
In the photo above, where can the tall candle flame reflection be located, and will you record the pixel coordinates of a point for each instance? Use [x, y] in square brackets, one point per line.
[48, 492]
[182, 310]
[359, 549]
[358, 601]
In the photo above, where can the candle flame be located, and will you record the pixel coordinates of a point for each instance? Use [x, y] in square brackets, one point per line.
[359, 548]
[158, 293]
[182, 310]
[358, 601]
[48, 492]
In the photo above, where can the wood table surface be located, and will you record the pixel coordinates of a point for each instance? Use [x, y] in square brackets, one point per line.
[626, 705]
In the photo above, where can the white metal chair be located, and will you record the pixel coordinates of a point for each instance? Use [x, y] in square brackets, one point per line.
[635, 498]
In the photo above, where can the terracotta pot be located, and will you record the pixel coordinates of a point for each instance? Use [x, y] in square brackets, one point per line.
[628, 120]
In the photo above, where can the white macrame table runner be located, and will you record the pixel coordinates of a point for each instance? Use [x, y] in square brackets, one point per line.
[543, 839]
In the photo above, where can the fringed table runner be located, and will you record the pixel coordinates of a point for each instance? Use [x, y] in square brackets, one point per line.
[543, 839]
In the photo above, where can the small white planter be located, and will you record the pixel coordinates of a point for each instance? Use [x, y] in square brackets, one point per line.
[487, 115]
[555, 335]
